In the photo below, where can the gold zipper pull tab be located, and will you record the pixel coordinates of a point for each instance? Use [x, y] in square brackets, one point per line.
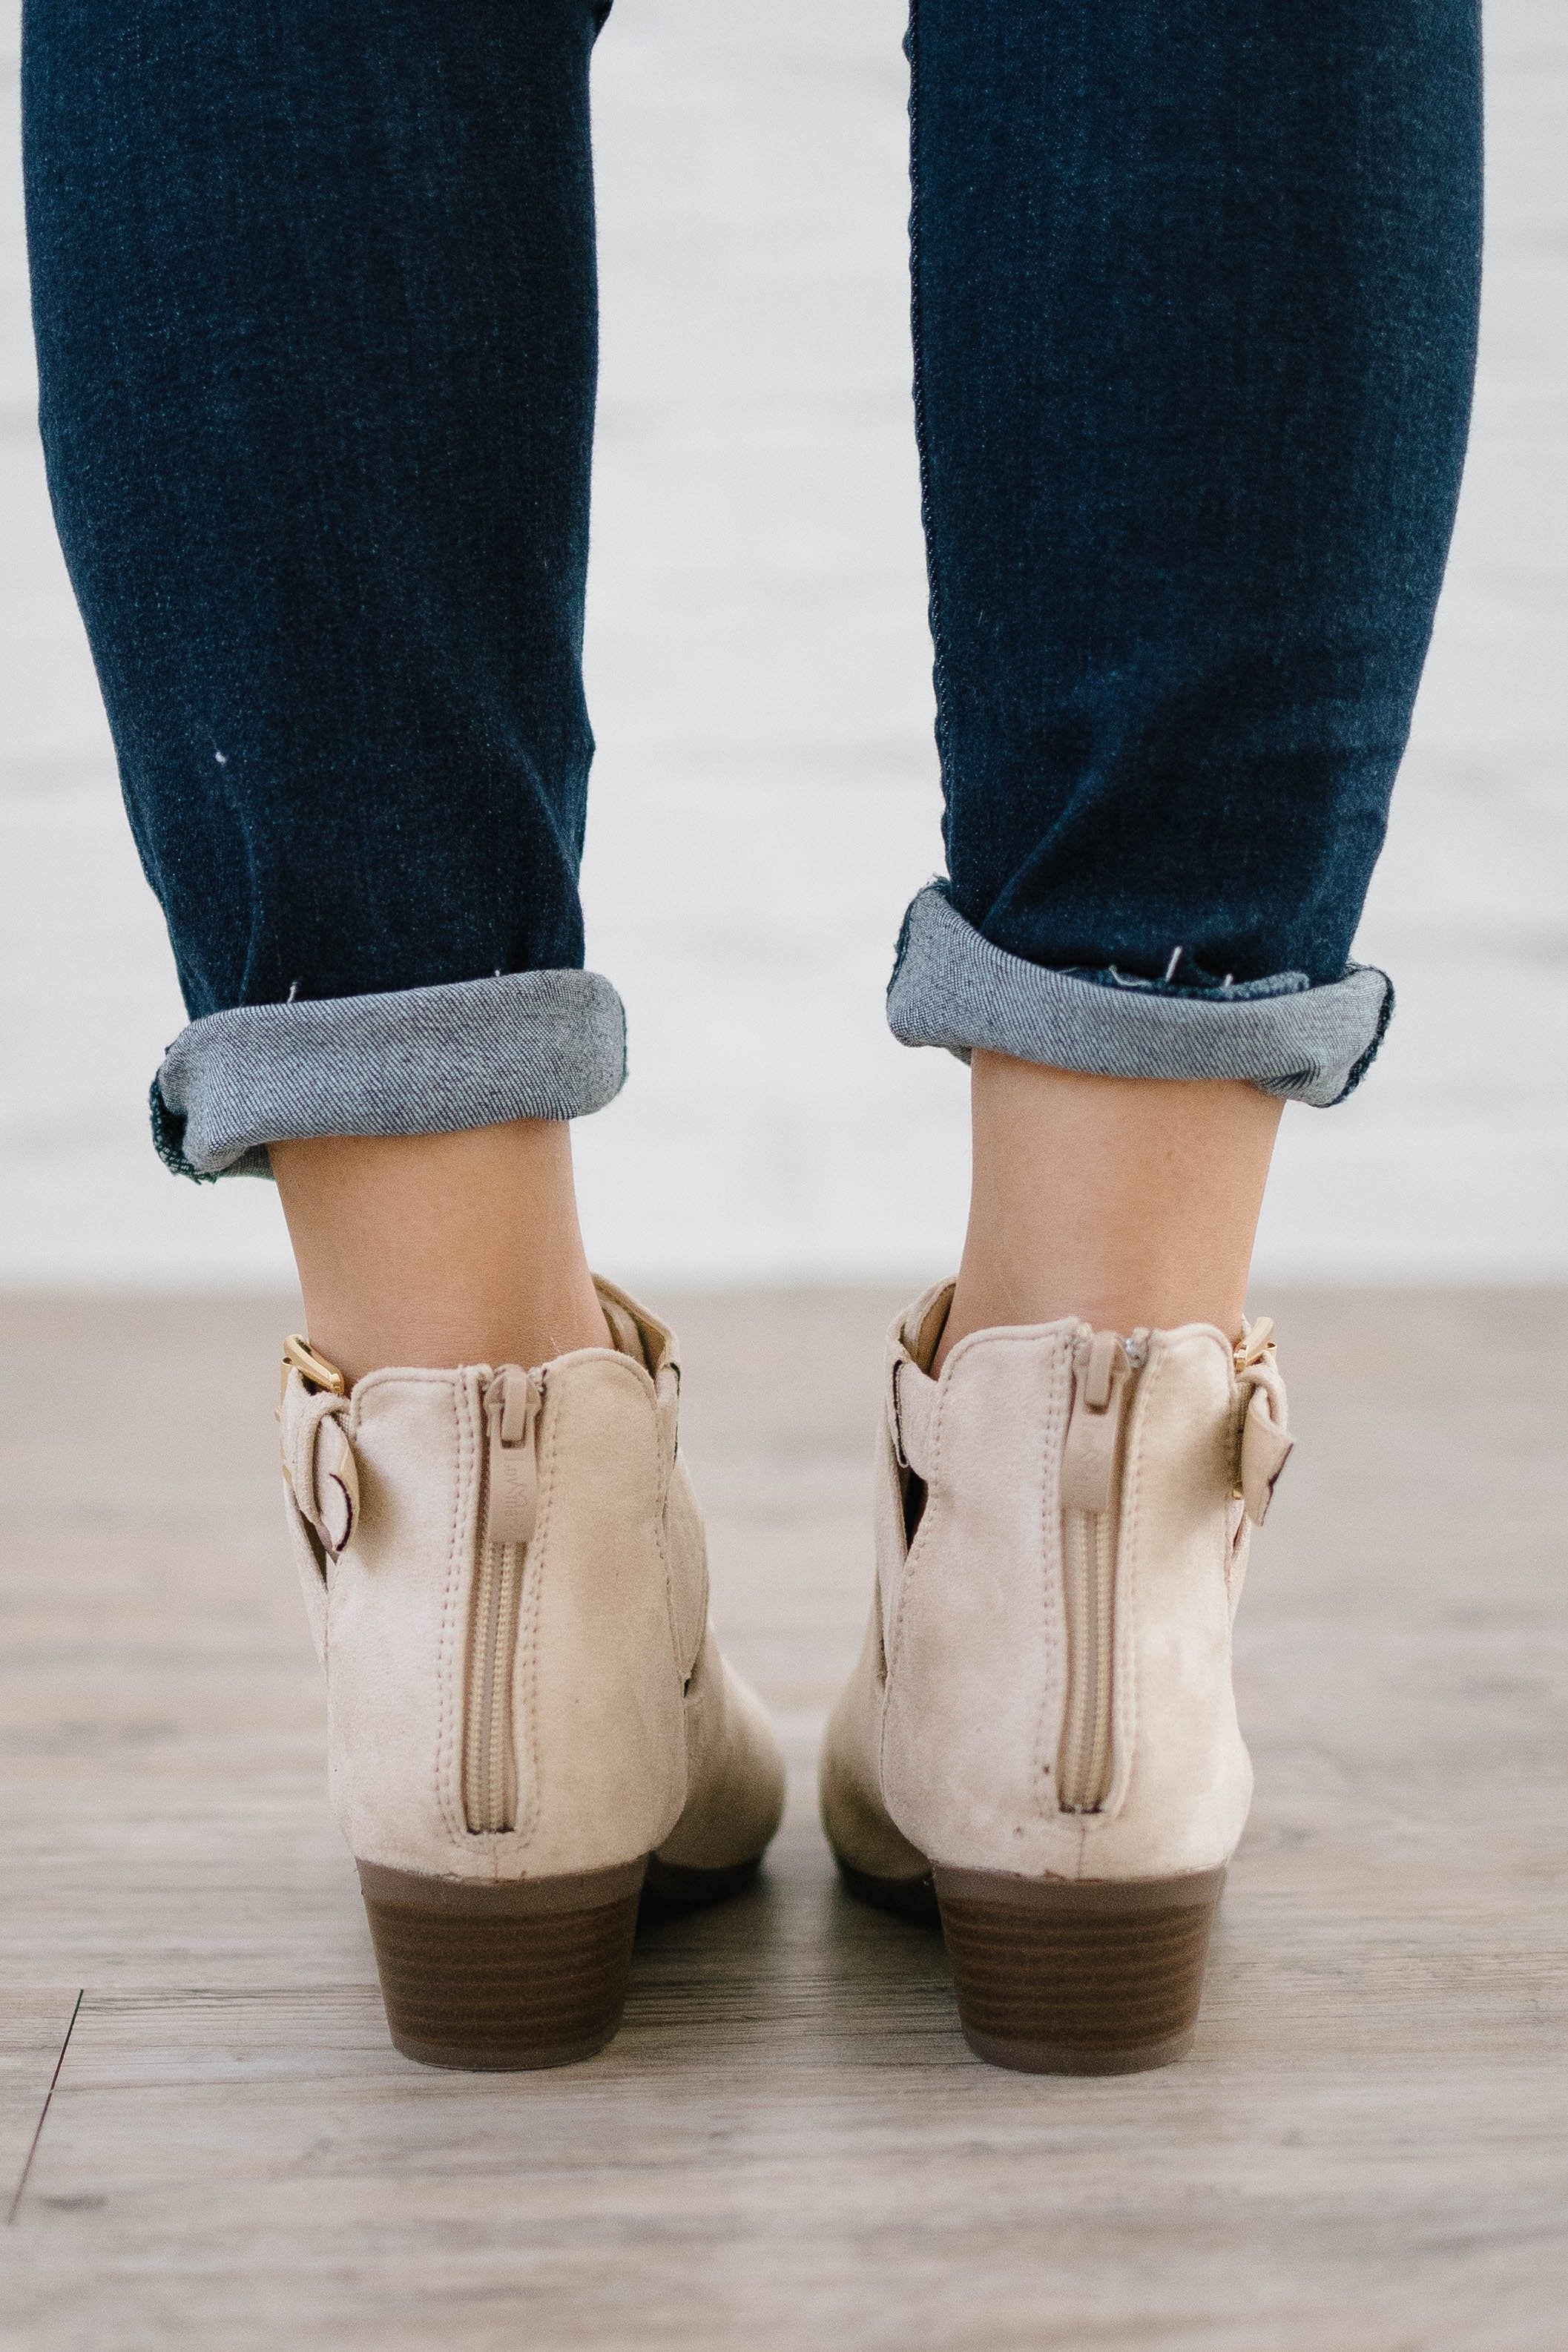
[512, 1402]
[1101, 1378]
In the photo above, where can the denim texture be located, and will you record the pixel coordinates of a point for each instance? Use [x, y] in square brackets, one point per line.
[1195, 291]
[953, 987]
[532, 1045]
[314, 290]
[1194, 296]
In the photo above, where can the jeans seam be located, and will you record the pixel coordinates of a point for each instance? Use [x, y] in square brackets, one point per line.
[954, 987]
[541, 1044]
[933, 588]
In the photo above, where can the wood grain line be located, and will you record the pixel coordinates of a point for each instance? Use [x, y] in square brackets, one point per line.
[15, 2205]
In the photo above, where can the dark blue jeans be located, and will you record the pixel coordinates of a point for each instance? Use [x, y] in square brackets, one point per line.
[1194, 305]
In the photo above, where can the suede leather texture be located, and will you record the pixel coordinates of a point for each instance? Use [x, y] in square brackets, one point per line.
[945, 1745]
[630, 1736]
[735, 1780]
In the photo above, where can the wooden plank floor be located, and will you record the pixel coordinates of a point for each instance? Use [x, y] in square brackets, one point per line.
[789, 2143]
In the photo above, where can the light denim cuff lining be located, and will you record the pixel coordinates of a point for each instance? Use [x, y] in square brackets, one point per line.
[951, 987]
[414, 1061]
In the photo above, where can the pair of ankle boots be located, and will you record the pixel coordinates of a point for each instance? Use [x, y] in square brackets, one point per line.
[531, 1728]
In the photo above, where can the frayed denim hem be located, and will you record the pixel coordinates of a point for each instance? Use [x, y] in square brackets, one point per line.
[414, 1061]
[951, 987]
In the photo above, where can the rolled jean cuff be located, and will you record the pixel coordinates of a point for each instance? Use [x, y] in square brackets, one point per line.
[414, 1061]
[951, 987]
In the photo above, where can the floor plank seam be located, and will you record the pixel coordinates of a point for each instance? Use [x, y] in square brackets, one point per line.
[44, 2111]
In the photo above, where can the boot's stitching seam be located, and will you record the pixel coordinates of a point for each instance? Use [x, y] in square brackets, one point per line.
[474, 1441]
[1124, 1685]
[394, 1376]
[1125, 1666]
[452, 1668]
[1052, 1569]
[528, 1815]
[443, 1654]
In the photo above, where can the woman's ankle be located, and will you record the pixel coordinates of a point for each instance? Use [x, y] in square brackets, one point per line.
[1127, 1202]
[440, 1249]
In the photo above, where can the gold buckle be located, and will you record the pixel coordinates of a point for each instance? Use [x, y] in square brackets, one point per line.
[1255, 1343]
[298, 1356]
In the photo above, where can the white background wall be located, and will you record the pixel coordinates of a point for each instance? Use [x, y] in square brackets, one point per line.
[766, 796]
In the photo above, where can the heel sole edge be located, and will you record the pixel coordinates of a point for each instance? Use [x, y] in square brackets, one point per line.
[490, 1898]
[496, 2058]
[1066, 2058]
[482, 1978]
[1057, 1976]
[1081, 1897]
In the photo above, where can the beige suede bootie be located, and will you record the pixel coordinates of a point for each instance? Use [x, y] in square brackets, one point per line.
[530, 1722]
[1040, 1737]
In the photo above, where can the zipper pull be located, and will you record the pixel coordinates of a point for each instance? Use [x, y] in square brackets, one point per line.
[1101, 1375]
[512, 1402]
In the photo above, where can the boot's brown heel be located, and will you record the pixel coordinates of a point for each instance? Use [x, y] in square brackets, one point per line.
[1058, 1976]
[499, 1978]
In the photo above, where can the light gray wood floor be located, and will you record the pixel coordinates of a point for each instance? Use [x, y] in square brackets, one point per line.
[789, 2143]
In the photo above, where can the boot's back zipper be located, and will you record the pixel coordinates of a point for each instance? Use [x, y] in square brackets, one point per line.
[509, 1506]
[1104, 1367]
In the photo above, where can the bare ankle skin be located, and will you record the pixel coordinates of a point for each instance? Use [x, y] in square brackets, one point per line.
[439, 1250]
[1129, 1201]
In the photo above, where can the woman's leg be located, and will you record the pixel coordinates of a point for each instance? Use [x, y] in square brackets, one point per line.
[1195, 308]
[440, 1249]
[1126, 1201]
[315, 300]
[1194, 316]
[316, 324]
